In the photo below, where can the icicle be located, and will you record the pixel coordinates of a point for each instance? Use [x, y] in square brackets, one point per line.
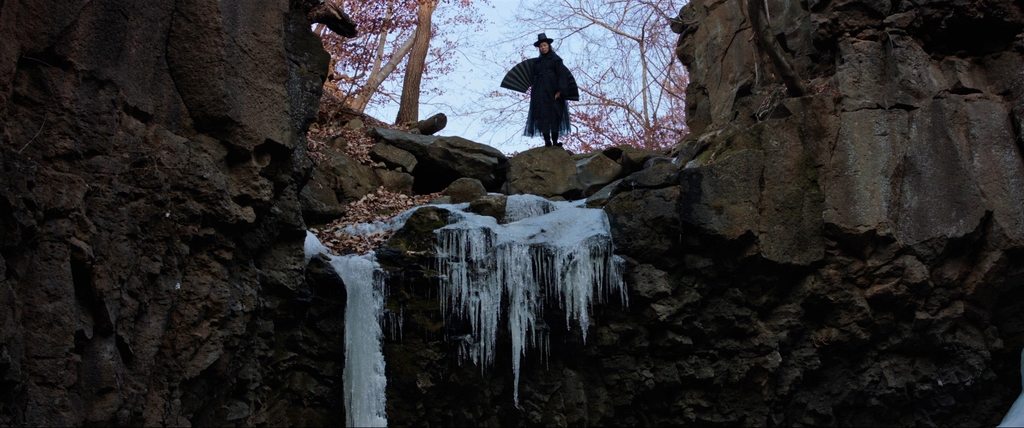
[555, 253]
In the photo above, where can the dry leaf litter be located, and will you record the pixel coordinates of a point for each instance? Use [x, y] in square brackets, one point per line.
[380, 206]
[330, 131]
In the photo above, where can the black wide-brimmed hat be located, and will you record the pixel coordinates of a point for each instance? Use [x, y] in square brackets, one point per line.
[542, 38]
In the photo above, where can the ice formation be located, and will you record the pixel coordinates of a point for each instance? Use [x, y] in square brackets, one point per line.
[549, 253]
[364, 377]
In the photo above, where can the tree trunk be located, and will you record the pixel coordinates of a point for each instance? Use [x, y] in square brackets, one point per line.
[430, 125]
[408, 109]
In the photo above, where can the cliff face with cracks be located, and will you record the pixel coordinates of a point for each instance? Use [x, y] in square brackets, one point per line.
[151, 266]
[851, 256]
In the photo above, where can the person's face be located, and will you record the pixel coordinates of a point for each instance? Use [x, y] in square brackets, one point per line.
[544, 47]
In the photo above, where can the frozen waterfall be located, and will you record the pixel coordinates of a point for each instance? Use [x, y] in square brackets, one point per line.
[364, 379]
[546, 254]
[549, 253]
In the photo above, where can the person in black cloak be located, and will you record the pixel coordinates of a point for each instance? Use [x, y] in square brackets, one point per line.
[549, 113]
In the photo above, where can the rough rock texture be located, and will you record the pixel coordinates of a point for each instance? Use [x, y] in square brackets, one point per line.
[849, 257]
[597, 171]
[464, 190]
[398, 182]
[544, 171]
[393, 157]
[319, 202]
[442, 160]
[151, 270]
[349, 179]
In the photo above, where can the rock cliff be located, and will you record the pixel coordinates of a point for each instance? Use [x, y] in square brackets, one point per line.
[850, 254]
[151, 267]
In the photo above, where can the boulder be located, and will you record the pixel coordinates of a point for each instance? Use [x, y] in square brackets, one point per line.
[633, 159]
[319, 202]
[578, 157]
[395, 181]
[596, 171]
[470, 159]
[601, 197]
[543, 171]
[393, 157]
[688, 149]
[464, 190]
[645, 223]
[657, 160]
[442, 160]
[657, 176]
[355, 124]
[350, 179]
[490, 205]
[649, 282]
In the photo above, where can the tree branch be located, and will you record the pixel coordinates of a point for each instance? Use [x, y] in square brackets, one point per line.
[782, 63]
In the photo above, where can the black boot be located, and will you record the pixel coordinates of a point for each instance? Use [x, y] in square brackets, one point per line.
[547, 140]
[554, 138]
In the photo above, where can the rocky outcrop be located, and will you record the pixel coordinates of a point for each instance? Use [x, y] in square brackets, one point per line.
[543, 171]
[846, 257]
[339, 179]
[596, 172]
[151, 268]
[442, 160]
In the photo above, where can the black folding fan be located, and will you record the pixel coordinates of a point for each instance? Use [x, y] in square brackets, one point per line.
[520, 78]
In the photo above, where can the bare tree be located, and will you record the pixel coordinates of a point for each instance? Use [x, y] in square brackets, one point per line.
[632, 87]
[363, 68]
[409, 108]
[380, 72]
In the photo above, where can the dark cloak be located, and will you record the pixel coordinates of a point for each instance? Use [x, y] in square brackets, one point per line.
[546, 113]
